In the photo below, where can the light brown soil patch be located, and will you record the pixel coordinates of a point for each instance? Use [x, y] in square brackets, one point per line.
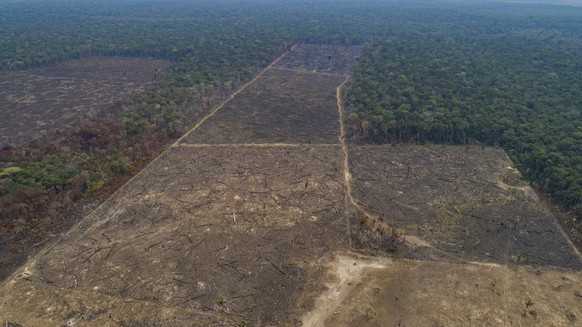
[409, 293]
[349, 271]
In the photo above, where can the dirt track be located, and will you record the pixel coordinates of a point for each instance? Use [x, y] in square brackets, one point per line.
[254, 225]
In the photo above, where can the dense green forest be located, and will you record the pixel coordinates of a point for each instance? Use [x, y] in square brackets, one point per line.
[439, 72]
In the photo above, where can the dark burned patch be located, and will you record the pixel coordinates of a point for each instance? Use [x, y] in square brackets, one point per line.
[321, 58]
[130, 70]
[227, 231]
[517, 233]
[455, 198]
[40, 100]
[280, 107]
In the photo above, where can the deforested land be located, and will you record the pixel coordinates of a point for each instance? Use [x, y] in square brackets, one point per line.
[292, 170]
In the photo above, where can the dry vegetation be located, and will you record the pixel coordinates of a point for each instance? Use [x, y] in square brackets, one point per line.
[416, 293]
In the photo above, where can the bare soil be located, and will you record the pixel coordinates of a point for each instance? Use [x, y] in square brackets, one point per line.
[40, 100]
[414, 293]
[456, 199]
[232, 232]
[228, 231]
[281, 106]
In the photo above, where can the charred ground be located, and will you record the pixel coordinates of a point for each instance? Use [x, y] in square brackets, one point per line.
[280, 107]
[38, 101]
[468, 201]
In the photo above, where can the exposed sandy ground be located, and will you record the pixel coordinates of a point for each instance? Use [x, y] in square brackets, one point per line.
[347, 273]
[412, 293]
[278, 233]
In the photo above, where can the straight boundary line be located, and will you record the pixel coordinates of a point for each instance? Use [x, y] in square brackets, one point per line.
[228, 99]
[347, 176]
[556, 223]
[258, 145]
[308, 71]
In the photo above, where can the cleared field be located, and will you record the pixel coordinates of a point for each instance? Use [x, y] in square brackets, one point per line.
[466, 201]
[321, 58]
[40, 100]
[279, 107]
[232, 232]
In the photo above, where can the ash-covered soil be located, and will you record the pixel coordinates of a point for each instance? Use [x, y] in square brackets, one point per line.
[232, 232]
[458, 199]
[322, 58]
[280, 107]
[40, 100]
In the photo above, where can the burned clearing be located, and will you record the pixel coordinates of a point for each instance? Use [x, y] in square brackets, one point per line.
[40, 100]
[243, 222]
[459, 199]
[279, 107]
[211, 230]
[321, 58]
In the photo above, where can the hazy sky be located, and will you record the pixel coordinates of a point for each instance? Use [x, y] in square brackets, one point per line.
[555, 2]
